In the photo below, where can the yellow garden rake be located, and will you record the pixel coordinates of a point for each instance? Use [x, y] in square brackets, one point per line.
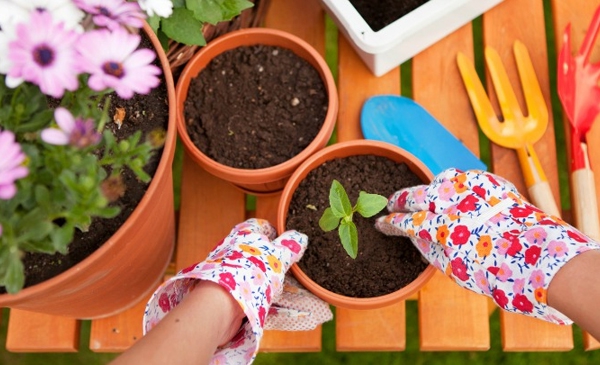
[516, 131]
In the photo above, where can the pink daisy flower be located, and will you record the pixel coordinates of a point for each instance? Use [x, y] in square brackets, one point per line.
[11, 164]
[43, 53]
[113, 14]
[78, 132]
[113, 61]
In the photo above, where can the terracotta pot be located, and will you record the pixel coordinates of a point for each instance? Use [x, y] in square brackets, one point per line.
[340, 150]
[271, 179]
[127, 267]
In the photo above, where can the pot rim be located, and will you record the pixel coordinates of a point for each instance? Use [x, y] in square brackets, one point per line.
[239, 38]
[337, 150]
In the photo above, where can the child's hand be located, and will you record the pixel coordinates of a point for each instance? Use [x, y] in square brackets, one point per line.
[475, 227]
[250, 263]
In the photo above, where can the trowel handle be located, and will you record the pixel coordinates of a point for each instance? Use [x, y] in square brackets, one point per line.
[585, 206]
[542, 197]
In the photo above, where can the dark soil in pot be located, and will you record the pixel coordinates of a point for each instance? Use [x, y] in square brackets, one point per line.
[381, 13]
[254, 107]
[384, 264]
[142, 112]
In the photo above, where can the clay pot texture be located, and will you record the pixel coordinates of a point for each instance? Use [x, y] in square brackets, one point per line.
[130, 265]
[340, 150]
[271, 179]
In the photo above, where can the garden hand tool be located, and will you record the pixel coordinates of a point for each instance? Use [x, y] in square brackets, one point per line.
[250, 263]
[476, 228]
[402, 122]
[577, 82]
[516, 131]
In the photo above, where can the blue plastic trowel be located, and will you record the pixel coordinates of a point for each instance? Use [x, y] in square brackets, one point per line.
[402, 122]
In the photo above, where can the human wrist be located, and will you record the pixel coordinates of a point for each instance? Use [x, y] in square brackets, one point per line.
[225, 308]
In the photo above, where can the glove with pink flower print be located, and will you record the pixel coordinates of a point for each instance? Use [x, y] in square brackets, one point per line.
[475, 227]
[250, 263]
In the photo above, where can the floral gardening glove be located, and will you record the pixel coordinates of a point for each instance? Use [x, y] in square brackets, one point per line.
[475, 227]
[251, 264]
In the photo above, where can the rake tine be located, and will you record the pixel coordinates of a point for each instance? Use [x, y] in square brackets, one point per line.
[506, 95]
[590, 37]
[480, 102]
[536, 105]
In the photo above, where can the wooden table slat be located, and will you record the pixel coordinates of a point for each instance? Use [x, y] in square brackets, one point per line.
[36, 332]
[450, 318]
[524, 21]
[356, 331]
[381, 329]
[119, 332]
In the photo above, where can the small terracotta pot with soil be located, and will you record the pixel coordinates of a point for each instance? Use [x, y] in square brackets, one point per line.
[387, 269]
[253, 104]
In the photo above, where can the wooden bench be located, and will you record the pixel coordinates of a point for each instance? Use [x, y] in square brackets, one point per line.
[450, 318]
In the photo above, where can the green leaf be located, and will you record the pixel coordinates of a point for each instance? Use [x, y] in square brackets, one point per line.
[339, 201]
[183, 27]
[62, 237]
[14, 278]
[368, 205]
[329, 221]
[214, 11]
[38, 121]
[349, 237]
[163, 39]
[154, 22]
[232, 8]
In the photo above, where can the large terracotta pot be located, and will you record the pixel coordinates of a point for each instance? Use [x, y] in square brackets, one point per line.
[340, 150]
[271, 179]
[127, 267]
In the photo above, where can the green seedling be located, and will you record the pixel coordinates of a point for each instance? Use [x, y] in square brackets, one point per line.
[339, 214]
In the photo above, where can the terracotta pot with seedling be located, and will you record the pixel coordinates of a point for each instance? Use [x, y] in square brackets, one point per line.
[356, 267]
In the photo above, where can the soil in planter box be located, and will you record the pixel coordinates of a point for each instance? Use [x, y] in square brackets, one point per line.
[381, 13]
[255, 107]
[384, 264]
[145, 113]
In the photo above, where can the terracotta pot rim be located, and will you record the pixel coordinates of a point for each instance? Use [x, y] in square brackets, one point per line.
[165, 163]
[257, 175]
[332, 152]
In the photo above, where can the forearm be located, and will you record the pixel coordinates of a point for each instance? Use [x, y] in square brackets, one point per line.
[575, 291]
[191, 332]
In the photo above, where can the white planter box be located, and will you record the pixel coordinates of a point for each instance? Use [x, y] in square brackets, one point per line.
[407, 36]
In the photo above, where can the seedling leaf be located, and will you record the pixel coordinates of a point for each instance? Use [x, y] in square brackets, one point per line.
[368, 205]
[349, 237]
[329, 221]
[339, 201]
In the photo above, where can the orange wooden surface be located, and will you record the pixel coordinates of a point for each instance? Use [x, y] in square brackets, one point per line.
[450, 318]
[35, 332]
